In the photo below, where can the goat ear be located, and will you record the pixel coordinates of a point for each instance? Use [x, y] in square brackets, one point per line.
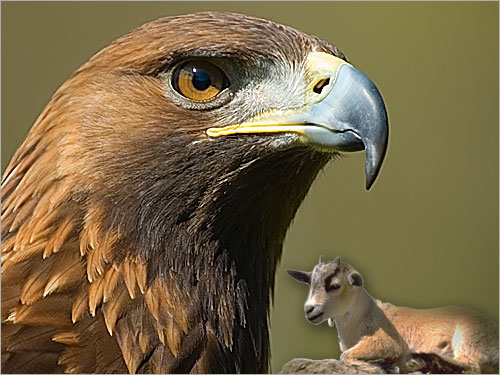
[336, 261]
[355, 279]
[301, 276]
[320, 259]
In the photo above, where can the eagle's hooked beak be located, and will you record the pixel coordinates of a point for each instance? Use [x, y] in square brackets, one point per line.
[343, 111]
[354, 118]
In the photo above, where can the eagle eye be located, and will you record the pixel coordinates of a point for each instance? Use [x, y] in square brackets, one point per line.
[199, 80]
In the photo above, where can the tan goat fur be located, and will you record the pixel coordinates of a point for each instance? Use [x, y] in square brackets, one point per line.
[371, 330]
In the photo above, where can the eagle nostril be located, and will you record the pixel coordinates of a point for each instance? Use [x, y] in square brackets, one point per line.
[321, 83]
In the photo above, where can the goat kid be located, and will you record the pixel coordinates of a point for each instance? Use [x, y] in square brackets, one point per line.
[370, 330]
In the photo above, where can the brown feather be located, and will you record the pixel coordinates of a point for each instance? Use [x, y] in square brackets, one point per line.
[43, 214]
[31, 363]
[109, 357]
[129, 276]
[96, 294]
[57, 241]
[139, 270]
[67, 272]
[111, 278]
[40, 225]
[9, 334]
[203, 364]
[98, 248]
[25, 252]
[10, 302]
[94, 351]
[80, 304]
[32, 339]
[53, 310]
[173, 336]
[32, 289]
[153, 304]
[29, 146]
[114, 307]
[40, 236]
[67, 338]
[144, 337]
[91, 230]
[17, 273]
[13, 222]
[78, 359]
[75, 361]
[131, 353]
[7, 244]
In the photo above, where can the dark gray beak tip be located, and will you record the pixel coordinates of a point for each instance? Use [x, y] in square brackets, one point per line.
[370, 180]
[371, 177]
[375, 155]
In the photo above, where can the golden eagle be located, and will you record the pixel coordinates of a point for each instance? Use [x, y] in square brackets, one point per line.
[144, 214]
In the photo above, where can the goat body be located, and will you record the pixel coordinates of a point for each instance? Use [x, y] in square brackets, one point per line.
[370, 330]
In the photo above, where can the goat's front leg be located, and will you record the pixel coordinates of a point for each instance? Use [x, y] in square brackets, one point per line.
[379, 347]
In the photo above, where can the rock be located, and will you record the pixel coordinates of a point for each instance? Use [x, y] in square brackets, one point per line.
[328, 366]
[419, 363]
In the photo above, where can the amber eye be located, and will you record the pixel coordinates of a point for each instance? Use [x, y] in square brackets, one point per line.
[199, 80]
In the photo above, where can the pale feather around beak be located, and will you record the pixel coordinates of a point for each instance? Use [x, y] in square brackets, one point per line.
[343, 111]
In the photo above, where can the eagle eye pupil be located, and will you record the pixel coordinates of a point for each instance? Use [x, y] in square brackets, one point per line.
[201, 79]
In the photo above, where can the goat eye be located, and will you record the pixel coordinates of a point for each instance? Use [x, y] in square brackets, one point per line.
[329, 286]
[199, 80]
[332, 287]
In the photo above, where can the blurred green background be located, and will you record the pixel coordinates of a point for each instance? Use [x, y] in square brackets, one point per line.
[427, 233]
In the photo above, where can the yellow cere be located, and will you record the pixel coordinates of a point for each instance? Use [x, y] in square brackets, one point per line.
[321, 66]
